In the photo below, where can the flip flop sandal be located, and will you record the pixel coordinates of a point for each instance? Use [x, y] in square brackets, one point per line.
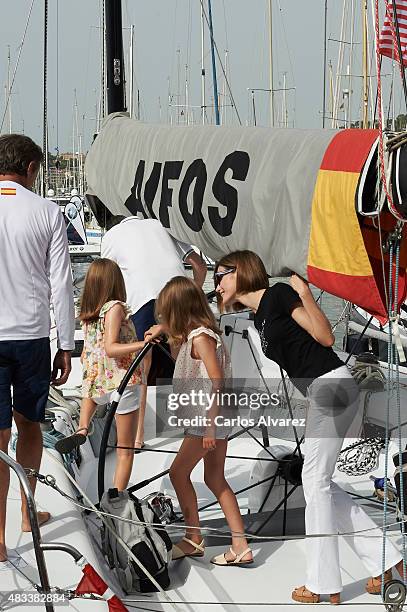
[68, 444]
[178, 553]
[221, 559]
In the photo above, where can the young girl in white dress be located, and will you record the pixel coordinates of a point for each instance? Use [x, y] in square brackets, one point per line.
[202, 365]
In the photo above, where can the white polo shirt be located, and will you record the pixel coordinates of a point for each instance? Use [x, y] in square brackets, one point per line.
[147, 256]
[34, 268]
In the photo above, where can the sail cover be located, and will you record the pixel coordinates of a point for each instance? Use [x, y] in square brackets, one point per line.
[288, 195]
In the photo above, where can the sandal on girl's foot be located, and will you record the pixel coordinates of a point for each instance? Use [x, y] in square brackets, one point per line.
[303, 595]
[374, 584]
[68, 444]
[237, 559]
[138, 445]
[178, 553]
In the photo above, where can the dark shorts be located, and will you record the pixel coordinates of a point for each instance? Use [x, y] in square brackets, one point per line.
[143, 319]
[25, 365]
[162, 367]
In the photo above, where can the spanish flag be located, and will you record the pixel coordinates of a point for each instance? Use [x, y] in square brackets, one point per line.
[345, 250]
[7, 191]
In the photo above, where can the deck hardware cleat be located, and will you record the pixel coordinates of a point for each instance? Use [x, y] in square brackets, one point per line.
[50, 480]
[228, 330]
[394, 595]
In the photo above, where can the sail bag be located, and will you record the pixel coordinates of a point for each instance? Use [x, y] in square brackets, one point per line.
[288, 194]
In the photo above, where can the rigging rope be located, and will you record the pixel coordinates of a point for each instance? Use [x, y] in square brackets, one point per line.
[50, 481]
[387, 429]
[393, 370]
[398, 403]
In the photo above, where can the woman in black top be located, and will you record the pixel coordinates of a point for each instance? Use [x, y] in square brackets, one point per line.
[296, 334]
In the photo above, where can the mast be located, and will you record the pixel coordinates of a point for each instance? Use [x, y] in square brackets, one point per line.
[215, 80]
[102, 67]
[203, 100]
[325, 52]
[254, 109]
[285, 110]
[186, 96]
[380, 99]
[352, 44]
[8, 90]
[271, 63]
[225, 90]
[114, 57]
[131, 62]
[338, 79]
[331, 91]
[44, 185]
[365, 67]
[74, 160]
[178, 84]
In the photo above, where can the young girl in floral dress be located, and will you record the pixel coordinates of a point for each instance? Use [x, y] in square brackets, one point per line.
[110, 346]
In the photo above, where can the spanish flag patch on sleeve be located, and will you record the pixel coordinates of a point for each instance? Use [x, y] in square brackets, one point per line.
[7, 191]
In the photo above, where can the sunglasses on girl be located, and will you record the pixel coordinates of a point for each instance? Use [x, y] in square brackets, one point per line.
[217, 277]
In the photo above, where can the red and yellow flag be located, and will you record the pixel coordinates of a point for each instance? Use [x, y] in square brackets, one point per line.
[344, 256]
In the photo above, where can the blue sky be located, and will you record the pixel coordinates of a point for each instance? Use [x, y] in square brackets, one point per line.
[167, 36]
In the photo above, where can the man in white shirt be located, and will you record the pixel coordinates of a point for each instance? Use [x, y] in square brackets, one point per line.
[148, 258]
[35, 266]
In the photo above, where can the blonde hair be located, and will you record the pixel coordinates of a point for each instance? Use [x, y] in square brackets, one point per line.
[104, 282]
[182, 306]
[251, 274]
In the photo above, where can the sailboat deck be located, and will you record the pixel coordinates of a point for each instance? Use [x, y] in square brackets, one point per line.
[195, 583]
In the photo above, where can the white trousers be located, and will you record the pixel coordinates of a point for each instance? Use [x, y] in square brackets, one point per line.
[333, 401]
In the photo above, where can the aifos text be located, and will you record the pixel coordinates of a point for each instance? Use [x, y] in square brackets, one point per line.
[145, 189]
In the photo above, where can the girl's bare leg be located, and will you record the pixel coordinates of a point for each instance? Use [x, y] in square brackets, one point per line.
[88, 408]
[139, 439]
[214, 476]
[189, 454]
[126, 425]
[143, 400]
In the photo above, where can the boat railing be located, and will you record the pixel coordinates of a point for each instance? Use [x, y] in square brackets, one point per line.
[39, 546]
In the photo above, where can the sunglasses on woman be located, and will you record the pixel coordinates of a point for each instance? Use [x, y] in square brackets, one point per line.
[217, 277]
